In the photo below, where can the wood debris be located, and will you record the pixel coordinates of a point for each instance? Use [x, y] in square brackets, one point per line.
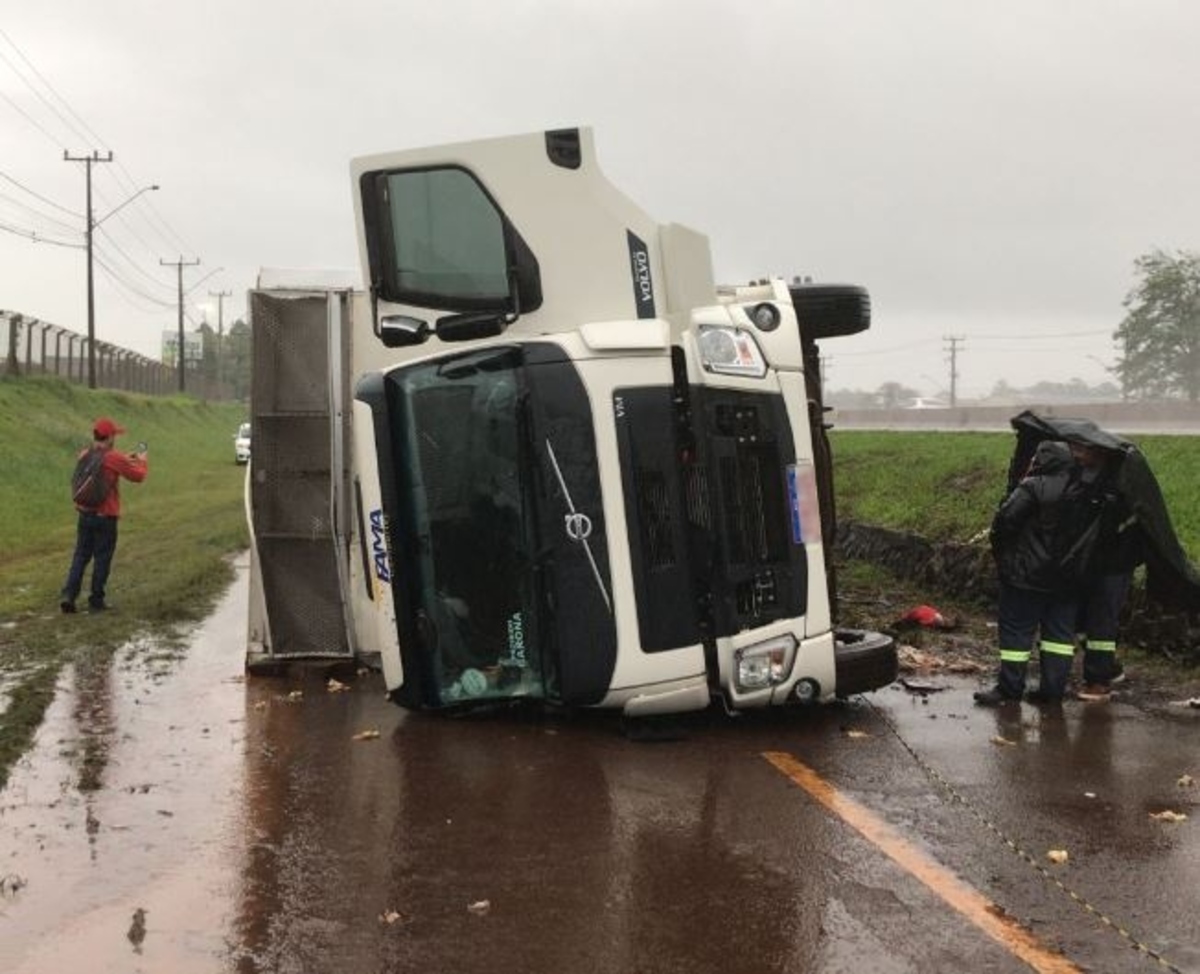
[913, 660]
[1168, 816]
[366, 735]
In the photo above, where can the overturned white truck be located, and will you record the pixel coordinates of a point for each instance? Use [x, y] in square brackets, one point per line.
[543, 456]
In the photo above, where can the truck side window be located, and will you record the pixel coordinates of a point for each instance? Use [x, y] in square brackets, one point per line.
[447, 238]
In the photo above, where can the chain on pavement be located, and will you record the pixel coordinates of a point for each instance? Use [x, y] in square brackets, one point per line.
[1031, 860]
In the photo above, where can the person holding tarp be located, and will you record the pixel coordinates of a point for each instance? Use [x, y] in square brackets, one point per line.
[1032, 534]
[1133, 527]
[1118, 552]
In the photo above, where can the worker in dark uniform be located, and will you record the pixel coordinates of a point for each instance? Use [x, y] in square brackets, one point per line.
[1036, 601]
[1119, 550]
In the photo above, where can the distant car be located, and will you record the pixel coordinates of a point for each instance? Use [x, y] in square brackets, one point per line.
[241, 444]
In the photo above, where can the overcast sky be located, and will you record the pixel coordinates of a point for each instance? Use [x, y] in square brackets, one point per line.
[989, 171]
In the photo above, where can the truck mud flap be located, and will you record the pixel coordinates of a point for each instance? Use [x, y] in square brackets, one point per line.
[863, 661]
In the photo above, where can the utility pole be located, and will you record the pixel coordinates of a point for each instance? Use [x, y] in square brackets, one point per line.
[179, 265]
[220, 296]
[91, 294]
[954, 341]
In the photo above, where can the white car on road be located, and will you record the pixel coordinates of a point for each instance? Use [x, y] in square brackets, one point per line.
[241, 444]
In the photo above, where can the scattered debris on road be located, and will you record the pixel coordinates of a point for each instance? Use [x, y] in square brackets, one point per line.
[1003, 741]
[137, 929]
[367, 735]
[1057, 856]
[1168, 816]
[928, 617]
[336, 686]
[480, 907]
[913, 660]
[921, 687]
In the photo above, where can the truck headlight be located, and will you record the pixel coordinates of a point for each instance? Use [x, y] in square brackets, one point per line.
[732, 351]
[765, 664]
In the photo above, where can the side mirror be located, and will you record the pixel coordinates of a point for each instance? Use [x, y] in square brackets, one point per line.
[399, 331]
[461, 328]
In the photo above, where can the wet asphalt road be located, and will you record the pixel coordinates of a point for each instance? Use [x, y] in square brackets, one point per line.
[258, 834]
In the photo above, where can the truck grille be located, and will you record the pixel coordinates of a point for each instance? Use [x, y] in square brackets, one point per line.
[753, 511]
[654, 518]
[709, 523]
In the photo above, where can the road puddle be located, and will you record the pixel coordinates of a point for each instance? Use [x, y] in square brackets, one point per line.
[119, 830]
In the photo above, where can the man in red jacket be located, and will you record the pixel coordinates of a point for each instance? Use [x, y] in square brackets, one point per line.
[96, 537]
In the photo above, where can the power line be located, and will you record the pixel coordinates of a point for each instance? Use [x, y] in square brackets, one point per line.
[36, 212]
[1039, 335]
[38, 196]
[37, 238]
[122, 283]
[31, 120]
[133, 265]
[38, 94]
[887, 351]
[163, 228]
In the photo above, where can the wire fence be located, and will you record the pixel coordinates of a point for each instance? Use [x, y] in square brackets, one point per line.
[31, 347]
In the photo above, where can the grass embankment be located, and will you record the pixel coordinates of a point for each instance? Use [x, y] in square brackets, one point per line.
[177, 530]
[945, 486]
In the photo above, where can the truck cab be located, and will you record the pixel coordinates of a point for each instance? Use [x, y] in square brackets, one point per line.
[575, 470]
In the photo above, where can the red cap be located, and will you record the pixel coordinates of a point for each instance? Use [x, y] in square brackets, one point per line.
[104, 428]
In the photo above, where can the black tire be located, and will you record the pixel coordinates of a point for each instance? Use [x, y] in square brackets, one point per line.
[831, 310]
[863, 661]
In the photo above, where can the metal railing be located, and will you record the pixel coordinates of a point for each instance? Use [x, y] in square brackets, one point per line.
[31, 347]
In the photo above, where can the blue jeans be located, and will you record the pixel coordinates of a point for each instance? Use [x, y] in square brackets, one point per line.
[95, 541]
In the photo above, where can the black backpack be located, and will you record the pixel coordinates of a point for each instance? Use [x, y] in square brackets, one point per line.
[89, 486]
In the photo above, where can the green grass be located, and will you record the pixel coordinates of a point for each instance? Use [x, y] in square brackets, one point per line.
[945, 486]
[178, 529]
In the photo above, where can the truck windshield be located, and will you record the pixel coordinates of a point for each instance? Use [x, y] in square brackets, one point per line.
[463, 455]
[492, 493]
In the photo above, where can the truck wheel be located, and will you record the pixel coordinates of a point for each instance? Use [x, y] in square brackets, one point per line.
[831, 310]
[863, 661]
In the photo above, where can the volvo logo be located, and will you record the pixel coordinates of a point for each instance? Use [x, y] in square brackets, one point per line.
[579, 526]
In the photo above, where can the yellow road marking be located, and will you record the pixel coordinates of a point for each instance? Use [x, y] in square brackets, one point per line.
[952, 890]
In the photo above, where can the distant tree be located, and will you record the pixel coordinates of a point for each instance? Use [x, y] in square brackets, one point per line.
[1160, 335]
[207, 366]
[893, 394]
[851, 399]
[237, 361]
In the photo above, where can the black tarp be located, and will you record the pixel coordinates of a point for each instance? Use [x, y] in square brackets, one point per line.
[1171, 579]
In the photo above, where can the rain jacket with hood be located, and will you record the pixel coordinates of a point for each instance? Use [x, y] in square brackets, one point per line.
[1035, 526]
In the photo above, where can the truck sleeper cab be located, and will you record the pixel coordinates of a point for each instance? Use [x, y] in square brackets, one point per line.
[582, 473]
